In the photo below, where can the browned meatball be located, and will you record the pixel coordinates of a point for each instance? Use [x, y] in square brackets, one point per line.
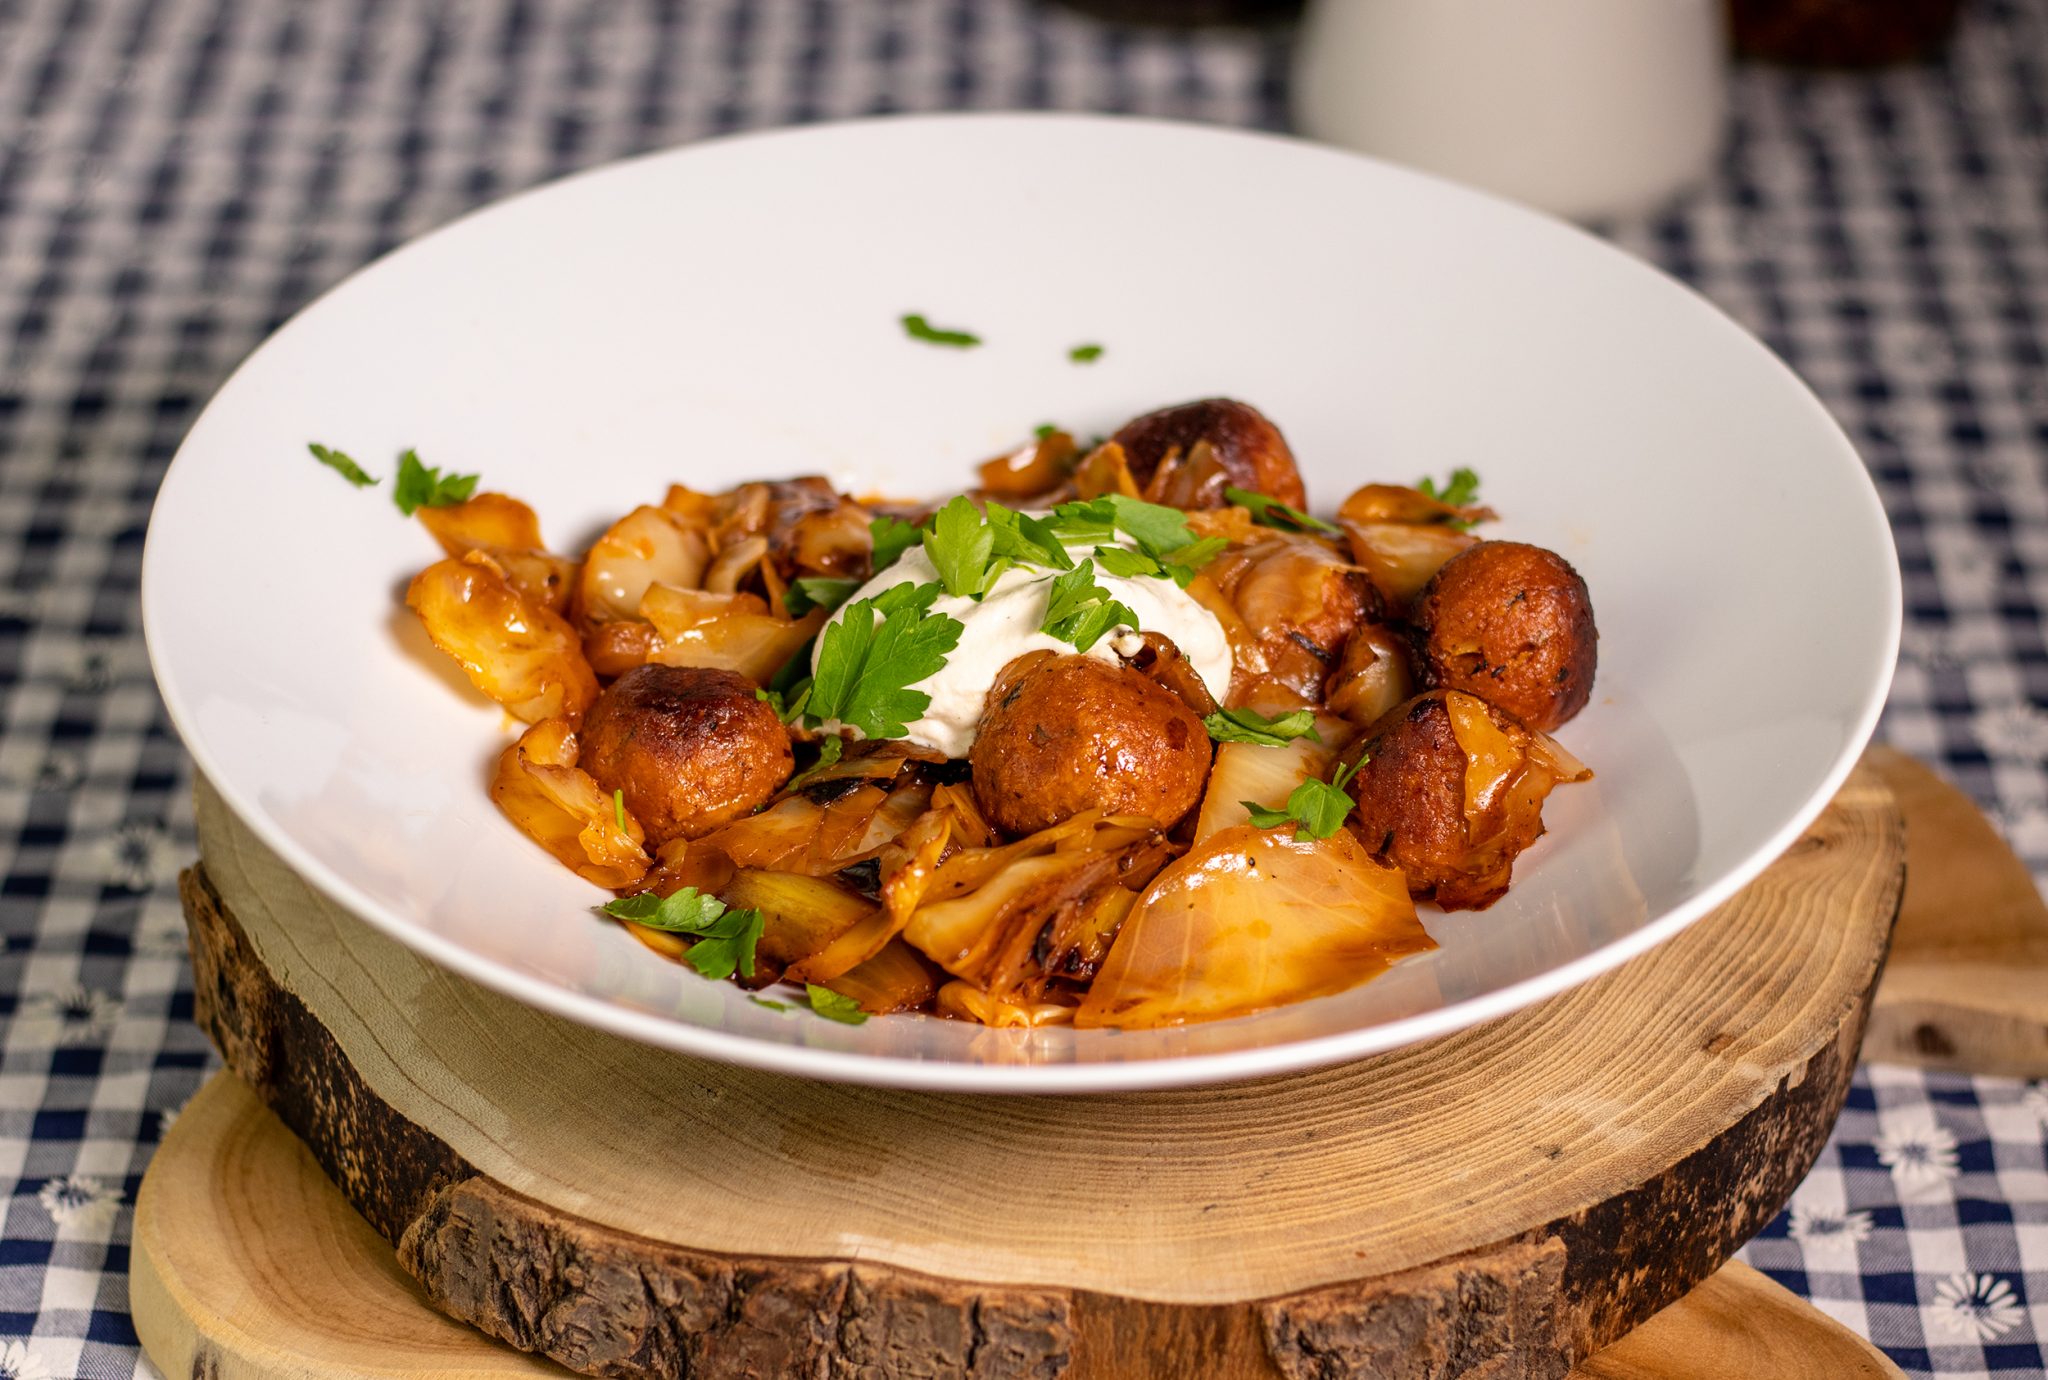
[1512, 624]
[1063, 734]
[1412, 807]
[691, 747]
[1249, 447]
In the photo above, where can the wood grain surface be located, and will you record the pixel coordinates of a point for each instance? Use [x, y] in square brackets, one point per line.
[249, 1265]
[1498, 1202]
[1967, 985]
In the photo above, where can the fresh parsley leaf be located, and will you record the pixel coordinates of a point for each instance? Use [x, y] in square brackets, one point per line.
[829, 752]
[1273, 513]
[960, 544]
[1318, 808]
[728, 947]
[1161, 533]
[915, 598]
[1250, 726]
[1156, 528]
[1321, 808]
[833, 1006]
[688, 911]
[1079, 520]
[422, 486]
[893, 537]
[1460, 492]
[724, 939]
[341, 465]
[771, 1005]
[809, 592]
[1044, 430]
[917, 328]
[1080, 611]
[1027, 540]
[789, 702]
[1085, 354]
[878, 648]
[1121, 560]
[1183, 565]
[619, 809]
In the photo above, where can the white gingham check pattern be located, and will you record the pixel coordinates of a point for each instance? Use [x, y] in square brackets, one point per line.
[178, 176]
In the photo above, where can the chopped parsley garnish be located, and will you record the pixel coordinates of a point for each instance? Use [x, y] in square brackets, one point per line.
[619, 809]
[1085, 354]
[869, 658]
[917, 328]
[1250, 726]
[893, 537]
[771, 1005]
[342, 465]
[808, 592]
[1161, 533]
[1273, 513]
[971, 546]
[833, 1006]
[724, 938]
[1462, 491]
[1121, 560]
[961, 545]
[1318, 809]
[790, 688]
[1019, 537]
[422, 486]
[1080, 611]
[1044, 431]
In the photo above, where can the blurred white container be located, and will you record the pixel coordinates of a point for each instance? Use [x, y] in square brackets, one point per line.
[1580, 107]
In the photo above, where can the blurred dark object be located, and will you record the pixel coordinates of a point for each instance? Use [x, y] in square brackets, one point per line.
[1189, 13]
[1842, 33]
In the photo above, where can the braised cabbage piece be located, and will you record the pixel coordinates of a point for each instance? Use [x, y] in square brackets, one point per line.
[1125, 736]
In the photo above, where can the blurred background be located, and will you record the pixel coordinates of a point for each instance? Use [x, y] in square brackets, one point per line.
[1863, 183]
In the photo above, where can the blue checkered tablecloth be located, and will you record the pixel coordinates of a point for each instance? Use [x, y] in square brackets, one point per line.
[178, 176]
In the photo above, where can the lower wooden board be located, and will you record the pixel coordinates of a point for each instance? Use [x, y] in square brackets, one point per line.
[249, 1265]
[1501, 1202]
[1967, 984]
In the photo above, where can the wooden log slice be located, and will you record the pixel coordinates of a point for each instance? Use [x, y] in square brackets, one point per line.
[249, 1265]
[1966, 986]
[1497, 1203]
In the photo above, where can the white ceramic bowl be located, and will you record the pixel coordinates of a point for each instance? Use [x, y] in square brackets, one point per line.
[729, 311]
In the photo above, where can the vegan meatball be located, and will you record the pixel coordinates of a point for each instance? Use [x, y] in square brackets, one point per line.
[1512, 624]
[1063, 734]
[691, 748]
[1413, 806]
[1250, 448]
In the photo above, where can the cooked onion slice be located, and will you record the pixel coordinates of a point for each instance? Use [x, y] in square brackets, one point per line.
[733, 631]
[554, 802]
[1402, 536]
[1248, 920]
[963, 1001]
[513, 647]
[894, 979]
[645, 547]
[1031, 470]
[486, 522]
[1373, 676]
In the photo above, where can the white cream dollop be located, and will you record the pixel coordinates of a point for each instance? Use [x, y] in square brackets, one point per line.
[1004, 625]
